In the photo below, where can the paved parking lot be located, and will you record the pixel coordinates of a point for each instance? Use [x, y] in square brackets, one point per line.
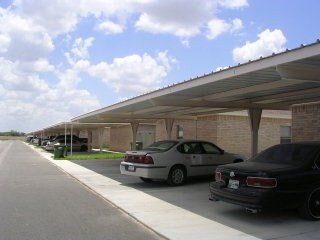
[185, 212]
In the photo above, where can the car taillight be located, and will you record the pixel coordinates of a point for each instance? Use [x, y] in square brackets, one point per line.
[138, 159]
[218, 176]
[147, 160]
[260, 182]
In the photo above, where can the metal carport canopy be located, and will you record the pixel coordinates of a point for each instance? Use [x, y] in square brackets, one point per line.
[274, 83]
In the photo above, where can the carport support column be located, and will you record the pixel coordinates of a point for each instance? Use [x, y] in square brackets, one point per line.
[134, 127]
[169, 125]
[254, 118]
[100, 138]
[89, 140]
[76, 132]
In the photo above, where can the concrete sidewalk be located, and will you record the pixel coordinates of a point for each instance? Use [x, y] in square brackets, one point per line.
[164, 218]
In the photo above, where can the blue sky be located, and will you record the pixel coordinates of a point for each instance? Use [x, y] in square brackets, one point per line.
[63, 58]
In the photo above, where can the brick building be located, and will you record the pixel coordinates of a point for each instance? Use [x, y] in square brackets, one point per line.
[229, 131]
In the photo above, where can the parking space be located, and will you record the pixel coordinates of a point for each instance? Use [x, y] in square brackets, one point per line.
[185, 212]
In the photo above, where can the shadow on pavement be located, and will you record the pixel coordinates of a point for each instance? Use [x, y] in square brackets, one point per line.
[194, 197]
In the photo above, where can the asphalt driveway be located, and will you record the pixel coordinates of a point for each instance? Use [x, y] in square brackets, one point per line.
[40, 202]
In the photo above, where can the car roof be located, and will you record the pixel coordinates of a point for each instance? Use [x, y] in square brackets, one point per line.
[303, 143]
[186, 140]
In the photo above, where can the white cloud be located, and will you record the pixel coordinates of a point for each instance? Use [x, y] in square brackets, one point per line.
[4, 43]
[62, 16]
[174, 17]
[269, 42]
[14, 79]
[56, 16]
[80, 47]
[41, 65]
[27, 98]
[79, 50]
[188, 20]
[147, 23]
[109, 27]
[37, 87]
[23, 41]
[166, 16]
[236, 25]
[135, 74]
[216, 27]
[233, 3]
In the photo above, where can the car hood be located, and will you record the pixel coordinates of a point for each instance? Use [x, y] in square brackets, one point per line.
[260, 167]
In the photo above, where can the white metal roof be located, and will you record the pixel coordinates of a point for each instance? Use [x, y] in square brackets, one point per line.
[66, 126]
[275, 83]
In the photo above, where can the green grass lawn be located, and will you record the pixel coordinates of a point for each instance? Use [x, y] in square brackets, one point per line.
[93, 156]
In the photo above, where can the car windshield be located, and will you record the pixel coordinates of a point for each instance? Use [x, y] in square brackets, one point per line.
[293, 154]
[161, 146]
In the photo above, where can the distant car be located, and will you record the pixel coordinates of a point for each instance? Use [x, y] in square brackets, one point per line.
[175, 160]
[61, 139]
[77, 145]
[45, 141]
[68, 136]
[283, 176]
[29, 138]
[35, 140]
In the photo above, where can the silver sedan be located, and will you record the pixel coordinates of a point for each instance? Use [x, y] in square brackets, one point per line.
[175, 160]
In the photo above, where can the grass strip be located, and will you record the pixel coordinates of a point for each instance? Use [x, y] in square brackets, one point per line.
[92, 156]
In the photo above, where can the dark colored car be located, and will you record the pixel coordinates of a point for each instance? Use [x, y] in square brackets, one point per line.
[283, 176]
[76, 145]
[74, 137]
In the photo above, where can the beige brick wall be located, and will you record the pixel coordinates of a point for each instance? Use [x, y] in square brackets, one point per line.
[207, 129]
[269, 131]
[121, 138]
[105, 138]
[188, 126]
[232, 133]
[161, 133]
[306, 122]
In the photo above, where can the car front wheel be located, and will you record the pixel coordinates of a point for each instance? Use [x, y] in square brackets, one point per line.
[311, 207]
[177, 176]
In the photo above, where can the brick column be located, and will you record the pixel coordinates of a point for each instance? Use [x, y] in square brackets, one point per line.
[254, 120]
[306, 122]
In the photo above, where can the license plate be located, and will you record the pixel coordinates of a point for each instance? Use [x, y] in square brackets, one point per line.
[131, 168]
[234, 184]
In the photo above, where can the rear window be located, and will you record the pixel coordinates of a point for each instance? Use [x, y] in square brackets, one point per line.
[161, 146]
[294, 154]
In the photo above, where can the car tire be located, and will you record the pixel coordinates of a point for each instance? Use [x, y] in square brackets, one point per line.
[177, 176]
[146, 179]
[310, 209]
[83, 148]
[237, 161]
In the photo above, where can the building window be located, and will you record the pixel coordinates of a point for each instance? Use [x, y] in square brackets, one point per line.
[285, 134]
[179, 132]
